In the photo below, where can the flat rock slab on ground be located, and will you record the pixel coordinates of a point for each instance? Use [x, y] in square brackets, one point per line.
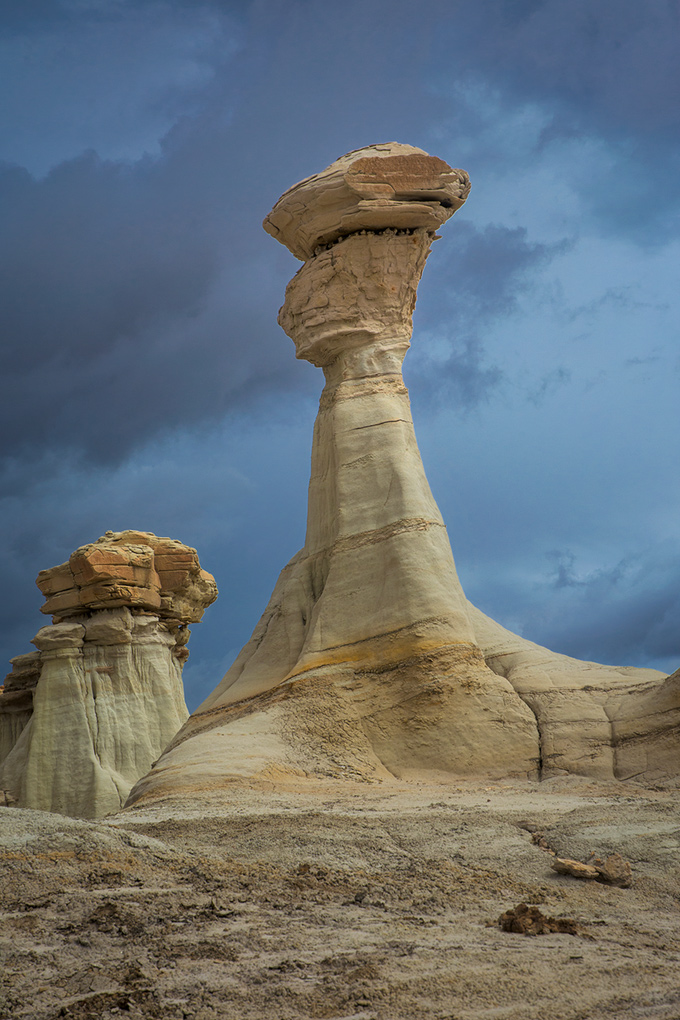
[352, 901]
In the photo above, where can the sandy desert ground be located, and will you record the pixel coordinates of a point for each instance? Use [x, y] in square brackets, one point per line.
[344, 901]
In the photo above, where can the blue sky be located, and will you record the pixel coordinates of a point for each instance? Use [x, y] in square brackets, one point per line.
[147, 384]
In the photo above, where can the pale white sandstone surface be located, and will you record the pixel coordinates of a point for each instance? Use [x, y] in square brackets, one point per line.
[87, 714]
[594, 720]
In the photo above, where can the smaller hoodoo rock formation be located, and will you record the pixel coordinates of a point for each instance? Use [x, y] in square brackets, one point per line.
[87, 714]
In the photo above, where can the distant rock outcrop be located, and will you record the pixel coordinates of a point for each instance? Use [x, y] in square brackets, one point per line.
[86, 715]
[368, 661]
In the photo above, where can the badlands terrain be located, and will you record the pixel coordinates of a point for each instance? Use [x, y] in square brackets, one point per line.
[369, 816]
[344, 900]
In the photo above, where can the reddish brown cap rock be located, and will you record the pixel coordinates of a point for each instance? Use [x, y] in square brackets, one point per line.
[130, 568]
[379, 187]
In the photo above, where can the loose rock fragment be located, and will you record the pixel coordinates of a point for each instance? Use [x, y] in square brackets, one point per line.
[567, 866]
[538, 839]
[614, 870]
[528, 920]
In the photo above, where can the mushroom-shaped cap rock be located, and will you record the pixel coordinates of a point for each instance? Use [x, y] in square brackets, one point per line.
[130, 568]
[375, 188]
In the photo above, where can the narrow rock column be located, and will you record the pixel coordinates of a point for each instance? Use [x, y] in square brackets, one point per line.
[375, 582]
[387, 587]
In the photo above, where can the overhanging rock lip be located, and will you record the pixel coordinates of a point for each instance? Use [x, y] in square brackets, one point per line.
[374, 188]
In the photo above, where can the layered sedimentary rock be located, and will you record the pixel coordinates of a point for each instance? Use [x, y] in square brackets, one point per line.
[16, 707]
[368, 661]
[606, 722]
[86, 715]
[361, 191]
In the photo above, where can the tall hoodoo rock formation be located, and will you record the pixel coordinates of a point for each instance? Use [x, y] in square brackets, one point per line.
[87, 714]
[368, 661]
[364, 662]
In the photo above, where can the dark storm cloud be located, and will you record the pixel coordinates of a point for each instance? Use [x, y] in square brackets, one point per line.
[610, 67]
[95, 253]
[137, 295]
[606, 71]
[613, 64]
[15, 15]
[125, 306]
[236, 492]
[19, 16]
[626, 613]
[486, 270]
[475, 281]
[143, 296]
[462, 377]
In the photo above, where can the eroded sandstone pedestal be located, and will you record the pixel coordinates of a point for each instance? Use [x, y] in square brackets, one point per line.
[368, 661]
[86, 715]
